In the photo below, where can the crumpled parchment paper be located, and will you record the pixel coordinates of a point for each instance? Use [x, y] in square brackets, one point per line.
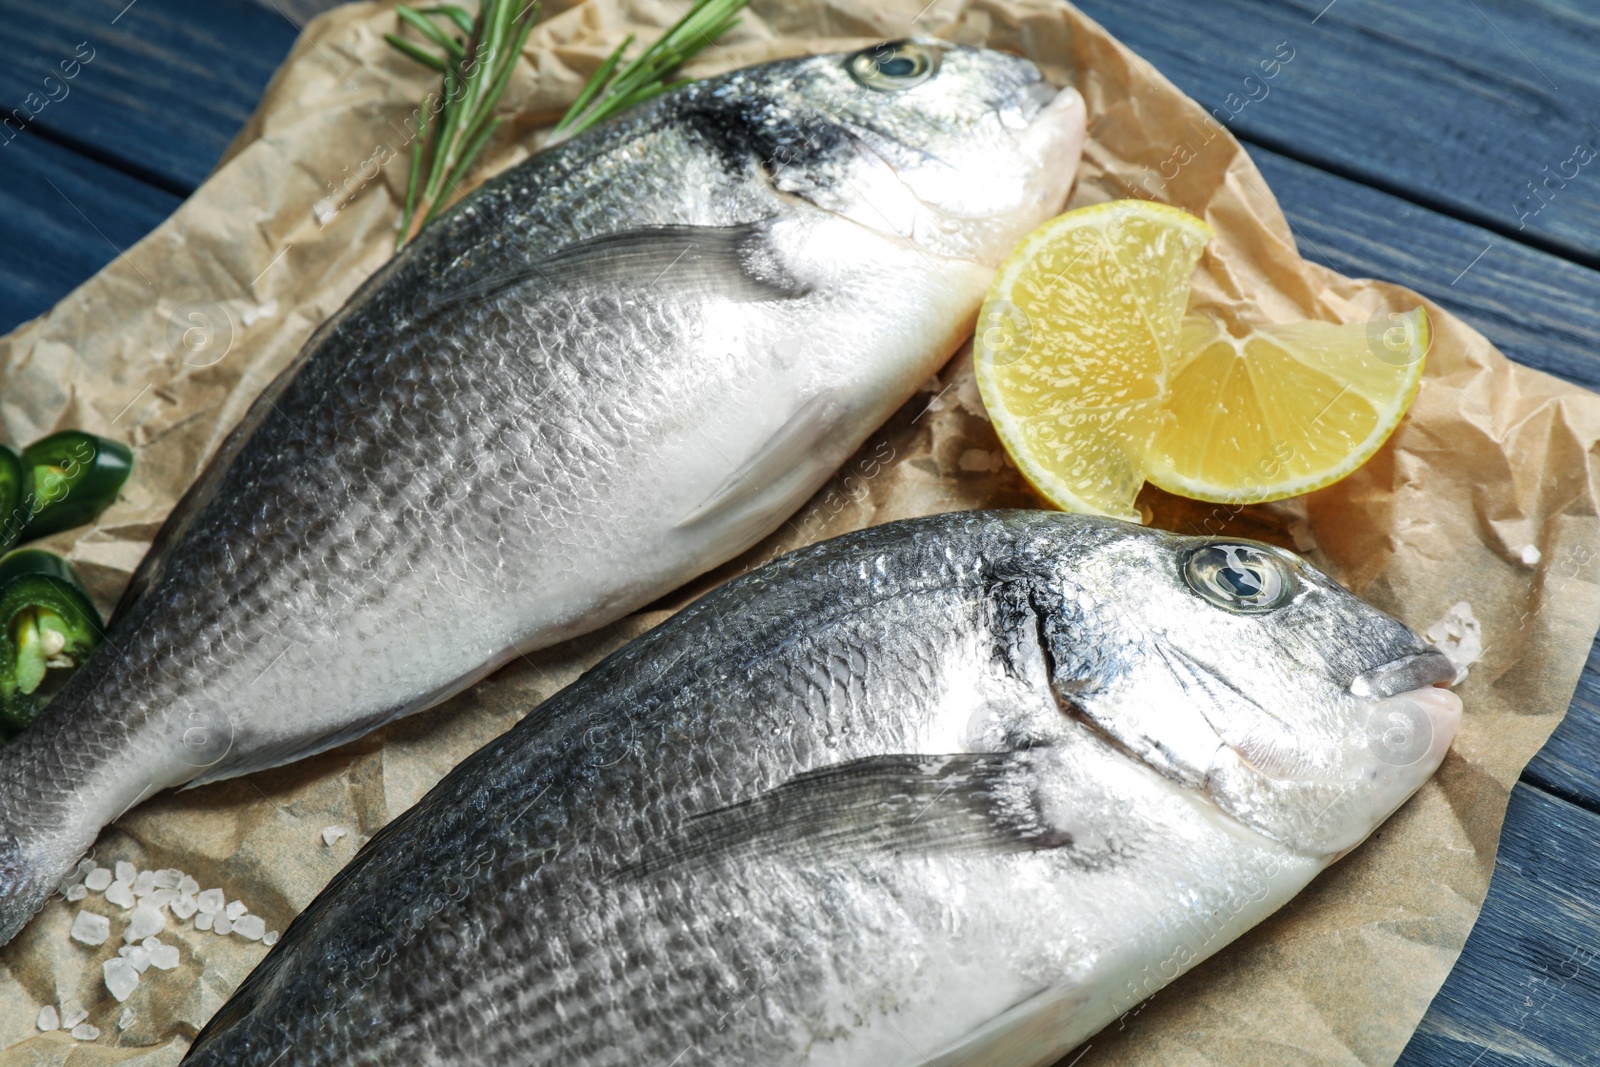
[168, 345]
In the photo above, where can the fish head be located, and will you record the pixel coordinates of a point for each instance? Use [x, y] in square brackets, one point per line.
[1241, 671]
[960, 150]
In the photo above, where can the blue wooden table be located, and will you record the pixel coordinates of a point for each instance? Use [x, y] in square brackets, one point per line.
[1450, 145]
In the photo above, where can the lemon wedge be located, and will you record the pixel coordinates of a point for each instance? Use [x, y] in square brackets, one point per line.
[1097, 382]
[1284, 409]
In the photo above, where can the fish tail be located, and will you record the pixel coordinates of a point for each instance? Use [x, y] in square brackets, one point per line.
[49, 811]
[37, 847]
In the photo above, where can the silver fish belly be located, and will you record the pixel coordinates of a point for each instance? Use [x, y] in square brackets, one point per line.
[603, 373]
[897, 798]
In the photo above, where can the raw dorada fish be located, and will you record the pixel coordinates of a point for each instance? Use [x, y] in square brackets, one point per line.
[947, 791]
[604, 372]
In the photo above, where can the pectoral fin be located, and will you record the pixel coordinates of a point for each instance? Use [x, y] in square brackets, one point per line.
[967, 802]
[663, 263]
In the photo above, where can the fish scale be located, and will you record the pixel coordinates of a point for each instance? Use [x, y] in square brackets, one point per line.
[518, 934]
[610, 368]
[891, 701]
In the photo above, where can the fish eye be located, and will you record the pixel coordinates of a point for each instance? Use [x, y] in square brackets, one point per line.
[894, 66]
[1240, 578]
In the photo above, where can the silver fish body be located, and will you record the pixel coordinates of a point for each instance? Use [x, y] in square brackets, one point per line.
[606, 371]
[950, 790]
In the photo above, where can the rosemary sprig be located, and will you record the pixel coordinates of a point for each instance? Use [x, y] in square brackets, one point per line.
[477, 68]
[455, 123]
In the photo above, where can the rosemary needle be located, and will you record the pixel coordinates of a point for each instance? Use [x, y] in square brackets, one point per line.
[612, 90]
[455, 122]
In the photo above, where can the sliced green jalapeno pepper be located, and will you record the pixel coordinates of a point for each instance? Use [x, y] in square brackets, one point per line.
[15, 481]
[48, 626]
[75, 476]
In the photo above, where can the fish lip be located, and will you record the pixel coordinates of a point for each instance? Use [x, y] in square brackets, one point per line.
[1402, 675]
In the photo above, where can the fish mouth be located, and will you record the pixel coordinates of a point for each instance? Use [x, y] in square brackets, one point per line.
[1403, 675]
[1035, 97]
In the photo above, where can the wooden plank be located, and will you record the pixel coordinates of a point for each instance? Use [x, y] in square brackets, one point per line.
[1540, 309]
[1527, 987]
[1457, 105]
[1569, 765]
[157, 87]
[63, 217]
[299, 12]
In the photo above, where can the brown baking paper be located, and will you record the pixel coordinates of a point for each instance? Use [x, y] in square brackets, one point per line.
[168, 345]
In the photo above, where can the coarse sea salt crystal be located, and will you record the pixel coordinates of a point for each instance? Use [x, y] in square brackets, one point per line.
[48, 1019]
[144, 922]
[1530, 555]
[1459, 635]
[138, 957]
[211, 900]
[164, 957]
[223, 925]
[120, 894]
[126, 1019]
[168, 878]
[979, 459]
[161, 898]
[126, 872]
[204, 920]
[91, 929]
[330, 834]
[235, 909]
[187, 886]
[253, 315]
[77, 892]
[252, 927]
[98, 879]
[72, 1014]
[270, 938]
[122, 977]
[85, 1032]
[144, 884]
[184, 906]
